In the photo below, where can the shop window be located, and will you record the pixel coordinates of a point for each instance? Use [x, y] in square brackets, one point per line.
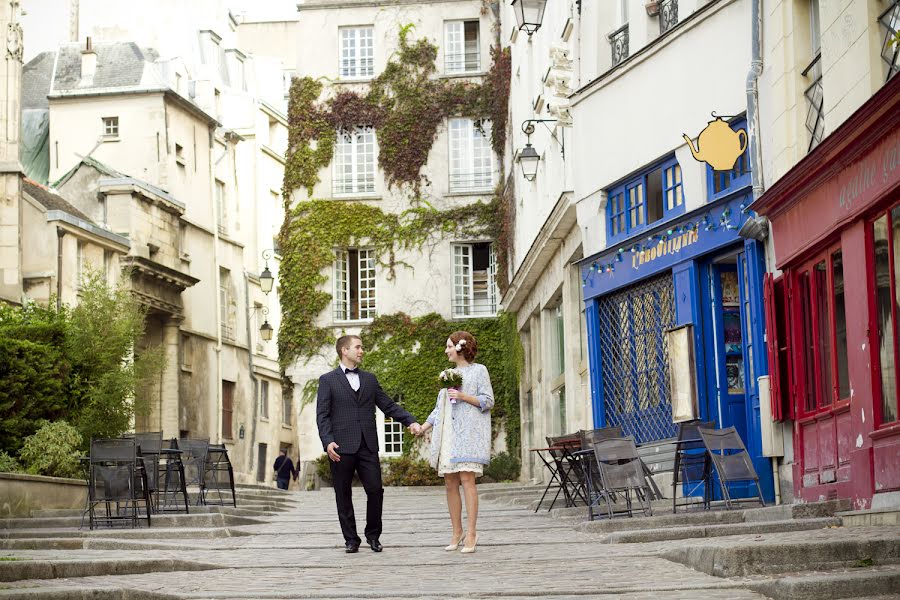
[654, 195]
[722, 183]
[821, 333]
[885, 248]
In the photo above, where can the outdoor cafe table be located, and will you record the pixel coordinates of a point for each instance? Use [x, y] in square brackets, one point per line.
[560, 470]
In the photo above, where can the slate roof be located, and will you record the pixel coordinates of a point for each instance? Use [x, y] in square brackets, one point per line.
[119, 65]
[52, 200]
[36, 81]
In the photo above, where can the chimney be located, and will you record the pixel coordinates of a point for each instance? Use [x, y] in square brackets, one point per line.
[88, 62]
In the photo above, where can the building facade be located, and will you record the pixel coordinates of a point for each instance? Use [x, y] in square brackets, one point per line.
[829, 132]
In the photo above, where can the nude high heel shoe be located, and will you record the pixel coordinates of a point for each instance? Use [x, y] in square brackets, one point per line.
[470, 549]
[453, 547]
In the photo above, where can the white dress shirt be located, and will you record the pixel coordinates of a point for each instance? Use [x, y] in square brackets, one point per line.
[352, 378]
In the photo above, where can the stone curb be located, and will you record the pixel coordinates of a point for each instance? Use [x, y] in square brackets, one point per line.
[33, 569]
[708, 531]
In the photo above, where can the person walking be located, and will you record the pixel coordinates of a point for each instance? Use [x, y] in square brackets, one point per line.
[461, 442]
[284, 470]
[345, 415]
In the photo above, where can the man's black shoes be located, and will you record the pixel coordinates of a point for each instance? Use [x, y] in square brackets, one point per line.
[375, 545]
[352, 548]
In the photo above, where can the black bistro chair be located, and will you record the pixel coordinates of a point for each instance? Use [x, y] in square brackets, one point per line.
[731, 461]
[621, 476]
[692, 464]
[218, 481]
[118, 493]
[193, 459]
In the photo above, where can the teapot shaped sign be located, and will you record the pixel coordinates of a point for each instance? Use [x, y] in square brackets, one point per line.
[718, 145]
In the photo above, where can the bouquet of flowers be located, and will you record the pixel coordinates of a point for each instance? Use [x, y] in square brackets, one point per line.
[450, 379]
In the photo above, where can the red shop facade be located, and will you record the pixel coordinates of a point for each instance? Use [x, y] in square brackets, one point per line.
[833, 315]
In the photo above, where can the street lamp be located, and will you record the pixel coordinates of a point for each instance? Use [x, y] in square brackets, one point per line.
[528, 159]
[266, 281]
[265, 330]
[529, 14]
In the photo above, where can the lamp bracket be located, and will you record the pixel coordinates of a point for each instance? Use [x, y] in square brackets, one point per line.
[528, 129]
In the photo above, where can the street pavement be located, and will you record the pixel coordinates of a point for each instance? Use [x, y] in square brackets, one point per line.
[299, 553]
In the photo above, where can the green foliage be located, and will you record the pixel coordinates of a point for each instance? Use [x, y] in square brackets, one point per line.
[406, 470]
[8, 464]
[323, 468]
[52, 450]
[503, 467]
[408, 353]
[406, 104]
[74, 364]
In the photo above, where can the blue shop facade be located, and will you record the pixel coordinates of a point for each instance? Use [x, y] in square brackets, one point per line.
[663, 268]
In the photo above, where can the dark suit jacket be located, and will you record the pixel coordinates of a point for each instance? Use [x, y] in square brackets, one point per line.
[344, 419]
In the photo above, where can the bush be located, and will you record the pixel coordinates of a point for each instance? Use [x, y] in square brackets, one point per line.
[408, 471]
[323, 468]
[503, 467]
[52, 451]
[8, 464]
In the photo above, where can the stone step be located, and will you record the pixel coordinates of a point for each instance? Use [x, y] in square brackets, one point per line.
[864, 583]
[871, 517]
[68, 593]
[19, 570]
[216, 519]
[740, 560]
[658, 521]
[708, 531]
[14, 537]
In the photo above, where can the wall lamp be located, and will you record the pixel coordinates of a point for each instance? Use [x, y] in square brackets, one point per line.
[529, 14]
[266, 281]
[265, 330]
[528, 158]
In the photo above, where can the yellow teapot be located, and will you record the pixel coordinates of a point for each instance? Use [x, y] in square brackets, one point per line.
[719, 145]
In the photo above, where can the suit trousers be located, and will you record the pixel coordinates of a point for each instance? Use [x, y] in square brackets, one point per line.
[365, 463]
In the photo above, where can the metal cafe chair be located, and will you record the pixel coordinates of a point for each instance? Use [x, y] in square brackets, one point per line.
[149, 445]
[586, 462]
[219, 477]
[621, 473]
[692, 464]
[731, 461]
[193, 458]
[562, 449]
[173, 480]
[117, 480]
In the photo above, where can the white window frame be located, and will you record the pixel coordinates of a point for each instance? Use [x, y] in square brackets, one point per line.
[110, 127]
[356, 56]
[264, 399]
[287, 408]
[456, 59]
[353, 171]
[390, 436]
[80, 264]
[465, 301]
[471, 155]
[366, 306]
[221, 201]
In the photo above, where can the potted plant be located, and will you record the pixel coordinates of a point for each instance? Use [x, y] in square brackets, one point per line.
[652, 7]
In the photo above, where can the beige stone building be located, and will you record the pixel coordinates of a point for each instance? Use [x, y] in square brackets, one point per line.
[179, 147]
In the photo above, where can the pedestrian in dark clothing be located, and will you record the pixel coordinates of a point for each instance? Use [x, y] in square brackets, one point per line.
[284, 470]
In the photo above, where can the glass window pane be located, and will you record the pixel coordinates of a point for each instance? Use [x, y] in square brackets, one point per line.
[884, 298]
[840, 324]
[807, 346]
[823, 333]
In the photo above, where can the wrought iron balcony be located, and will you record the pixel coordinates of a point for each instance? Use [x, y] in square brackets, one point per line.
[668, 15]
[462, 307]
[815, 101]
[468, 62]
[890, 49]
[618, 43]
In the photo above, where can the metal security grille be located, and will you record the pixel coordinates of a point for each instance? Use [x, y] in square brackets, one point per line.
[633, 356]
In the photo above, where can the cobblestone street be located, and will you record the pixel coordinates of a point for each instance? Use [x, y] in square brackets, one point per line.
[298, 553]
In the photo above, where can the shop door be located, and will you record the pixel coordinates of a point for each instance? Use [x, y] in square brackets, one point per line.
[821, 377]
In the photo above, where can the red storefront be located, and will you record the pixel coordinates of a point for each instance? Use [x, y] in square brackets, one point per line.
[833, 315]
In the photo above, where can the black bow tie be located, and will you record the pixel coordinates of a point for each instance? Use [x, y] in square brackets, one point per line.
[356, 370]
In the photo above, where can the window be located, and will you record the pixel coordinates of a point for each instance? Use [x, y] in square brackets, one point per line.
[264, 399]
[559, 341]
[354, 162]
[474, 280]
[187, 352]
[461, 52]
[354, 284]
[814, 94]
[822, 357]
[357, 52]
[471, 156]
[286, 407]
[227, 409]
[111, 126]
[183, 254]
[212, 52]
[262, 466]
[225, 307]
[778, 342]
[222, 214]
[885, 249]
[890, 50]
[179, 155]
[815, 27]
[393, 437]
[721, 183]
[559, 398]
[652, 196]
[79, 264]
[618, 39]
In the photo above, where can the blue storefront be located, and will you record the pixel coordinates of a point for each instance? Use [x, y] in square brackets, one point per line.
[664, 268]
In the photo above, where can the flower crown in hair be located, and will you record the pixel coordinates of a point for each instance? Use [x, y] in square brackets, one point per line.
[459, 345]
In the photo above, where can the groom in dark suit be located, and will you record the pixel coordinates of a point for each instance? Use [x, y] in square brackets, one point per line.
[345, 414]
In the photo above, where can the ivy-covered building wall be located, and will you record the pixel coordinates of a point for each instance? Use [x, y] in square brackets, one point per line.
[397, 204]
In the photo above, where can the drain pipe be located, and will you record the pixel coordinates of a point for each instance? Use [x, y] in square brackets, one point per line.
[756, 171]
[255, 404]
[217, 275]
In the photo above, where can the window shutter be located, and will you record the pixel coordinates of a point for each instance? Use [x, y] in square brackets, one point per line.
[783, 296]
[772, 346]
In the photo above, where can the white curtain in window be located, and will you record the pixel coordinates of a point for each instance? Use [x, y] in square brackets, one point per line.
[471, 156]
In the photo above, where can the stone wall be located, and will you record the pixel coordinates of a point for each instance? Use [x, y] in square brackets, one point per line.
[21, 495]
